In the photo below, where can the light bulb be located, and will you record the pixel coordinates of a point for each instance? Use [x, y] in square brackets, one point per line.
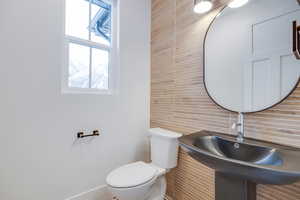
[202, 6]
[237, 3]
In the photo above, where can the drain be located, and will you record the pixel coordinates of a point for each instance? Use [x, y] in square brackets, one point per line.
[236, 145]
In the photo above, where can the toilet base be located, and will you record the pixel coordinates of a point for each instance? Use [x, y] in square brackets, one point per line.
[158, 190]
[154, 190]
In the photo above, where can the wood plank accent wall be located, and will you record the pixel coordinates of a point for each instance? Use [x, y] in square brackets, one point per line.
[179, 101]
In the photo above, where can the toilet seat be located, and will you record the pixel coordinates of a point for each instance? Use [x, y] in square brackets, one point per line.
[131, 175]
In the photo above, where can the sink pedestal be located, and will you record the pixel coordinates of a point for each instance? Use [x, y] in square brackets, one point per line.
[228, 187]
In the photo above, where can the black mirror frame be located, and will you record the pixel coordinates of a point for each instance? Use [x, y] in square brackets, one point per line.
[206, 89]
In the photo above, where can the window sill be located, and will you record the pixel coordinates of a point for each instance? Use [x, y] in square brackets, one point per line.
[87, 91]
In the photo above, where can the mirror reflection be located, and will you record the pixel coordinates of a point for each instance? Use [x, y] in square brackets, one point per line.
[249, 61]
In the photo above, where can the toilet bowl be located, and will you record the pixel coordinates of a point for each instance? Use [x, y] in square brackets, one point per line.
[146, 181]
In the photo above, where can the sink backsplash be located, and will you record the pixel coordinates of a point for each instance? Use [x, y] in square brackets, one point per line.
[179, 101]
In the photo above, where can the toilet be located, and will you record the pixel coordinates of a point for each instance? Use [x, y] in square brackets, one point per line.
[146, 181]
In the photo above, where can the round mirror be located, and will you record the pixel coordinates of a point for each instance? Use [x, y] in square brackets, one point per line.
[249, 63]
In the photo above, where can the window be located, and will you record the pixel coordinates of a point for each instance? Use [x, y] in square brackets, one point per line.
[88, 39]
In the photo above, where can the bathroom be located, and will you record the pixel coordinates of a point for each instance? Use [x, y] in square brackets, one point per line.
[90, 87]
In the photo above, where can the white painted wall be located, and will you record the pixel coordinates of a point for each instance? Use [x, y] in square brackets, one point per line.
[39, 158]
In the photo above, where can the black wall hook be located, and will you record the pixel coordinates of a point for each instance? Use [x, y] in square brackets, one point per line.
[82, 135]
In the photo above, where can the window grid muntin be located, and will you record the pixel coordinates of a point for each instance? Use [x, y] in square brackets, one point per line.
[91, 44]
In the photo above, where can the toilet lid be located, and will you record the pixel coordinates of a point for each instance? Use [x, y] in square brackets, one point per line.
[131, 175]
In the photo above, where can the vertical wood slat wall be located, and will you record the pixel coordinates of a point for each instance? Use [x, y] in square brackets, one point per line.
[179, 101]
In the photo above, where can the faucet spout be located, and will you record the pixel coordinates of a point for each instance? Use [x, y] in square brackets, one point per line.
[240, 137]
[241, 132]
[239, 126]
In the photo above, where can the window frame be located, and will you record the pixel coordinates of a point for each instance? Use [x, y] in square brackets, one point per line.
[111, 49]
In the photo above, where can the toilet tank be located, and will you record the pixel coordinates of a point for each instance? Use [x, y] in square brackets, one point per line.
[164, 147]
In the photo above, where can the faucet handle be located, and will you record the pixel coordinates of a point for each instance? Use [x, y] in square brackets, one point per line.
[234, 125]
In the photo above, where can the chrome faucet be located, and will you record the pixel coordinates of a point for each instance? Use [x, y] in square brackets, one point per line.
[239, 126]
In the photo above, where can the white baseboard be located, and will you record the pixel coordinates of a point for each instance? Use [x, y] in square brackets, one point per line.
[97, 193]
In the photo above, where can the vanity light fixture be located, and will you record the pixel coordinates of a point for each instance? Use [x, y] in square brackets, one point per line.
[202, 6]
[237, 3]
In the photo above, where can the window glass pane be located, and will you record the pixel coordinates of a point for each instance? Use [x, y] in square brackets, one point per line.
[100, 26]
[79, 61]
[100, 69]
[77, 18]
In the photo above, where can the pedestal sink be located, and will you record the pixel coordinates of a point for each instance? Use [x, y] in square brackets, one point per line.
[240, 166]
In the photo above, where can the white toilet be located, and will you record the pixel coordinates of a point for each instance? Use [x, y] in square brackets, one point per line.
[146, 181]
